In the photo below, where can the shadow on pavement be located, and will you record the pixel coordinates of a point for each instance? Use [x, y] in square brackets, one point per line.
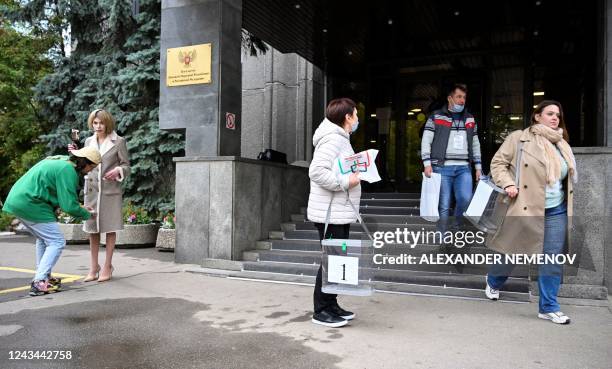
[146, 333]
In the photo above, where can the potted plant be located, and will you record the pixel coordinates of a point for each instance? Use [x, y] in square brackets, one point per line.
[72, 229]
[138, 229]
[166, 237]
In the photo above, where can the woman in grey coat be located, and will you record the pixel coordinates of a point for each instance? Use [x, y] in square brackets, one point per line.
[103, 190]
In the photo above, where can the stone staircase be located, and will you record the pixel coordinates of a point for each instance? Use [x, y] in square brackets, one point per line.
[293, 254]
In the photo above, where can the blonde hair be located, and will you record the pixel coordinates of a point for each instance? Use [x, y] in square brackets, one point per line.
[106, 118]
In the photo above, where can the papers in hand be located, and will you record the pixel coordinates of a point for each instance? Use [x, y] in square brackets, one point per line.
[362, 163]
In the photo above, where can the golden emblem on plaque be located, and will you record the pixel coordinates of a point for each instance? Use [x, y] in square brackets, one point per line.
[189, 65]
[187, 57]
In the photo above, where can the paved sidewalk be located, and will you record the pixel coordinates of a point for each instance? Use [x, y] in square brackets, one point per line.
[154, 314]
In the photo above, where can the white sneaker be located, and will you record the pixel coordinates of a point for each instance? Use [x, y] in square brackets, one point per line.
[556, 317]
[492, 293]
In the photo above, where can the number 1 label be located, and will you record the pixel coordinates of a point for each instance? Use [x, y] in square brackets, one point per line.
[343, 269]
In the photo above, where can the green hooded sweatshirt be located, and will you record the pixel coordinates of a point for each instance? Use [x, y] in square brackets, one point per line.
[49, 184]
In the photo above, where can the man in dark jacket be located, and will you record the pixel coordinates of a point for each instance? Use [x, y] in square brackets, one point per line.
[449, 146]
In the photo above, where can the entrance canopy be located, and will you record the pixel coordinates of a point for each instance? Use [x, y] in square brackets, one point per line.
[400, 56]
[555, 43]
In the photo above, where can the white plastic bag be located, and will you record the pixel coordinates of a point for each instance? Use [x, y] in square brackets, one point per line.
[430, 196]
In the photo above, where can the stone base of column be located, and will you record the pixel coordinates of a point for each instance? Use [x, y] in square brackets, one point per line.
[224, 205]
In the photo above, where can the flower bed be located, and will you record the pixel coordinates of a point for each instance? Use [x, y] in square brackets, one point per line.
[135, 236]
[166, 237]
[138, 229]
[72, 230]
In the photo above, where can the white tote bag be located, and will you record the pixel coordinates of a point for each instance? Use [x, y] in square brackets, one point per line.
[430, 196]
[489, 204]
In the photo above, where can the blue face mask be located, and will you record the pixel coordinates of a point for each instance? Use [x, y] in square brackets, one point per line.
[456, 108]
[354, 126]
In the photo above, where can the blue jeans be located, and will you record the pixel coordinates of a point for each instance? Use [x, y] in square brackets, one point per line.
[49, 245]
[549, 275]
[457, 180]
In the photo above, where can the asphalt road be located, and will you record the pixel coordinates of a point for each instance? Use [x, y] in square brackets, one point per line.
[156, 314]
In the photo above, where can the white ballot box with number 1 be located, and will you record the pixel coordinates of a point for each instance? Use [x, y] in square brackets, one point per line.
[347, 267]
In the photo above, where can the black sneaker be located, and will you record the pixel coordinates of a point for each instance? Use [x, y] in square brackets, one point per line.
[328, 319]
[344, 314]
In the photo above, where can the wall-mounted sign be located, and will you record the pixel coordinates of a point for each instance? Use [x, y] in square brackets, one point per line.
[230, 120]
[189, 65]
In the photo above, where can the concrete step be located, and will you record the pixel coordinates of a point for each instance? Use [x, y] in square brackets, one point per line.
[303, 233]
[276, 235]
[390, 195]
[382, 287]
[313, 235]
[295, 245]
[391, 248]
[285, 227]
[389, 210]
[263, 245]
[395, 276]
[387, 250]
[294, 254]
[382, 210]
[390, 202]
[580, 291]
[395, 218]
[297, 257]
[250, 255]
[378, 218]
[314, 257]
[373, 227]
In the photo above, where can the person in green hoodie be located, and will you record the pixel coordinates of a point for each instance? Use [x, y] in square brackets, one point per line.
[50, 184]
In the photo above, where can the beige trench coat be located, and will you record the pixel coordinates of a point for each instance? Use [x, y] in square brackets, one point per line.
[522, 231]
[106, 197]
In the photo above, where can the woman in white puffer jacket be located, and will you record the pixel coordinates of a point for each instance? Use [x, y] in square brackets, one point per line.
[332, 140]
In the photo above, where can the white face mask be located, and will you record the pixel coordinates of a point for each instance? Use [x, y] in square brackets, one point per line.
[354, 126]
[456, 108]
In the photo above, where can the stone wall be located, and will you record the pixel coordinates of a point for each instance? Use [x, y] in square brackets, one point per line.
[592, 234]
[282, 97]
[225, 204]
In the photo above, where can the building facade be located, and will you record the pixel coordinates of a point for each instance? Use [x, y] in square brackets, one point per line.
[395, 58]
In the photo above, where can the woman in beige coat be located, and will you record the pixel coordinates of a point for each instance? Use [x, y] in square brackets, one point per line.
[537, 218]
[103, 190]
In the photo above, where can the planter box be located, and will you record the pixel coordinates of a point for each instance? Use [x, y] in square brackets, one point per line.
[73, 233]
[166, 239]
[135, 236]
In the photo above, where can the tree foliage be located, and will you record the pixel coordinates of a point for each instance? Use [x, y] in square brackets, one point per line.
[104, 54]
[23, 63]
[114, 65]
